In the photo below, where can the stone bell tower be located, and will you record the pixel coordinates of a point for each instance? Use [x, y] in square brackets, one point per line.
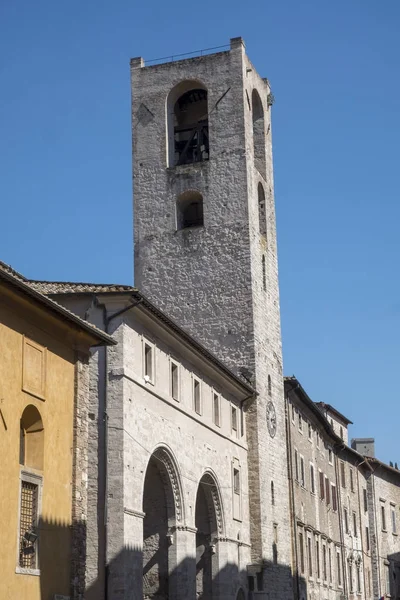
[205, 252]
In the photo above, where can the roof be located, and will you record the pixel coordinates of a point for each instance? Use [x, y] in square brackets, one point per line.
[15, 279]
[336, 413]
[295, 385]
[378, 463]
[69, 287]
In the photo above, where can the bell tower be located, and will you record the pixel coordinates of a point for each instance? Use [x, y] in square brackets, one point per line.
[205, 252]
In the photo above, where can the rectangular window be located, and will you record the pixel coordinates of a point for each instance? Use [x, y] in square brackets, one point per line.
[28, 523]
[393, 513]
[234, 422]
[312, 481]
[342, 475]
[358, 579]
[338, 569]
[300, 423]
[367, 538]
[174, 374]
[301, 552]
[217, 409]
[387, 580]
[330, 456]
[351, 480]
[317, 439]
[293, 413]
[302, 472]
[334, 497]
[310, 432]
[321, 486]
[236, 481]
[324, 573]
[383, 518]
[350, 568]
[317, 559]
[327, 491]
[296, 465]
[346, 520]
[148, 362]
[330, 564]
[309, 551]
[196, 396]
[354, 524]
[365, 500]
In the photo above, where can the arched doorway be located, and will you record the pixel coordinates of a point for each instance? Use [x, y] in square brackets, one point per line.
[208, 523]
[162, 508]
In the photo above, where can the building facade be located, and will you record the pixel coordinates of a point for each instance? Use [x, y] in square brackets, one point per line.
[44, 354]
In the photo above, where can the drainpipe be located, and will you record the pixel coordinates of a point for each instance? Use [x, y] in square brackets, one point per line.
[295, 557]
[107, 321]
[339, 501]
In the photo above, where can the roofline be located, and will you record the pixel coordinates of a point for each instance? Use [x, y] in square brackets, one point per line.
[143, 300]
[379, 463]
[22, 285]
[333, 410]
[313, 406]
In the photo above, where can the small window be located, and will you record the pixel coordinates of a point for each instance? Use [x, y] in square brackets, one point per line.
[296, 465]
[300, 423]
[327, 491]
[317, 559]
[148, 362]
[351, 480]
[302, 472]
[272, 494]
[28, 521]
[269, 386]
[234, 419]
[196, 396]
[174, 372]
[310, 563]
[330, 456]
[343, 474]
[217, 409]
[189, 210]
[334, 497]
[236, 481]
[350, 567]
[383, 517]
[330, 564]
[324, 571]
[301, 552]
[317, 439]
[367, 538]
[365, 500]
[321, 486]
[312, 481]
[354, 524]
[293, 413]
[262, 217]
[310, 432]
[341, 433]
[338, 568]
[393, 513]
[387, 580]
[346, 520]
[358, 578]
[332, 423]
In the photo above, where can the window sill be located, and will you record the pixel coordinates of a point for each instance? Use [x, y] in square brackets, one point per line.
[22, 571]
[395, 533]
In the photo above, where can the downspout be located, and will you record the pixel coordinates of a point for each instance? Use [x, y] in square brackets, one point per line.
[107, 321]
[295, 557]
[339, 499]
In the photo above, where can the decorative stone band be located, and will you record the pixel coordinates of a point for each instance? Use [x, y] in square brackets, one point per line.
[134, 513]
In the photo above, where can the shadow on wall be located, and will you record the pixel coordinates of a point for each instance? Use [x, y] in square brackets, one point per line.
[62, 554]
[394, 574]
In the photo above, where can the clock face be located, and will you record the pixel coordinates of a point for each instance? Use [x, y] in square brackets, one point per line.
[271, 419]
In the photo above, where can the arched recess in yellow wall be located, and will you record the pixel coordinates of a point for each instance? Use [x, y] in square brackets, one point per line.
[31, 447]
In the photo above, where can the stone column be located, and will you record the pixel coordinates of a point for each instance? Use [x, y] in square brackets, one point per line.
[182, 563]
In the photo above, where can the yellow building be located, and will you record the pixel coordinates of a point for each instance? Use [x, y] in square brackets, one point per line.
[44, 352]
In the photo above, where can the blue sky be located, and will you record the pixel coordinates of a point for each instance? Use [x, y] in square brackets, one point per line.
[65, 165]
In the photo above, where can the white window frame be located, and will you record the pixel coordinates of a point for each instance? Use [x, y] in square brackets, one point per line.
[151, 378]
[310, 430]
[198, 381]
[300, 422]
[393, 518]
[174, 363]
[236, 492]
[296, 465]
[35, 479]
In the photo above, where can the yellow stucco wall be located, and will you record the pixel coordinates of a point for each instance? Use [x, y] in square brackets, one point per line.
[18, 319]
